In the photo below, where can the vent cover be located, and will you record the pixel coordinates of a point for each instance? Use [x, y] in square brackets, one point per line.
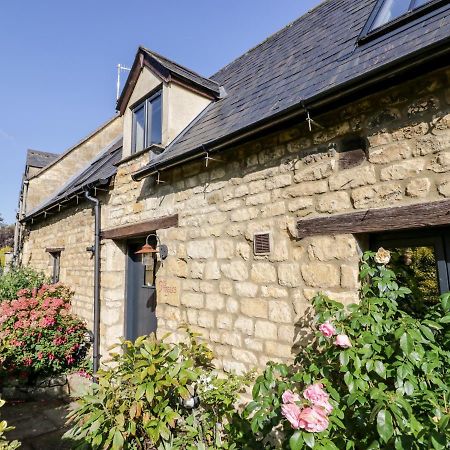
[262, 244]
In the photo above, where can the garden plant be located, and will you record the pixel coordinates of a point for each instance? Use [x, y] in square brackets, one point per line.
[375, 377]
[38, 334]
[158, 396]
[19, 278]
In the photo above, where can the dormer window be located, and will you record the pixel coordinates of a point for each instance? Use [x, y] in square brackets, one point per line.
[147, 123]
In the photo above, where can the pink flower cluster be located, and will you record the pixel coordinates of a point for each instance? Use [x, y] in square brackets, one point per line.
[328, 330]
[314, 416]
[40, 316]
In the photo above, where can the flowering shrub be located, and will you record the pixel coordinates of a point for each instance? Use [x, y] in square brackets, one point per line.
[38, 334]
[158, 395]
[376, 376]
[20, 278]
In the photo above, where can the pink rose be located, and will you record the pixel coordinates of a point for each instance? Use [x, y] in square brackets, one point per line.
[290, 397]
[327, 329]
[325, 404]
[313, 420]
[315, 393]
[292, 413]
[343, 341]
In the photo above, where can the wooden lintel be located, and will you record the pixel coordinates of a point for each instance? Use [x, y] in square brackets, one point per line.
[54, 249]
[374, 220]
[140, 228]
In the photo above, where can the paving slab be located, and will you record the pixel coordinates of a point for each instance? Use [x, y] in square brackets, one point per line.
[38, 425]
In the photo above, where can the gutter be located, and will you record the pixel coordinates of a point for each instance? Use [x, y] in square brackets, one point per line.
[96, 252]
[320, 102]
[59, 202]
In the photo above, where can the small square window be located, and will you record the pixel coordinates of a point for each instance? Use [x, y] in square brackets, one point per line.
[147, 123]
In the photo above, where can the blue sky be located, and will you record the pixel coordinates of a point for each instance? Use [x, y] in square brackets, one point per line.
[58, 61]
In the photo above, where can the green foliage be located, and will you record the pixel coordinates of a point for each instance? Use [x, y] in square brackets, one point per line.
[4, 443]
[38, 335]
[6, 234]
[144, 400]
[389, 390]
[3, 250]
[416, 268]
[20, 278]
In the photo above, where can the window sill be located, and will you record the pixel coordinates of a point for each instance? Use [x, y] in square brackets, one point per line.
[367, 36]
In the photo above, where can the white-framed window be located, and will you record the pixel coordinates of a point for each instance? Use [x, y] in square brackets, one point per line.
[147, 123]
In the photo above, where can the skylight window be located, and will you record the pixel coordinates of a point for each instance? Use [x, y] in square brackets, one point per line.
[390, 10]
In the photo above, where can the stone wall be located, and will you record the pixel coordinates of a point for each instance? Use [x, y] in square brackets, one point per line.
[255, 308]
[252, 308]
[72, 230]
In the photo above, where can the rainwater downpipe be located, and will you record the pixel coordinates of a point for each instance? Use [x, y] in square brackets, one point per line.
[96, 252]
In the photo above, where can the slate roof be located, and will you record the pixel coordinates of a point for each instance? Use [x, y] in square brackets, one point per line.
[315, 55]
[38, 159]
[97, 172]
[183, 72]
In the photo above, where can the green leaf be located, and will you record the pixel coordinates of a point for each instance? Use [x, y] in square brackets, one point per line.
[309, 439]
[438, 441]
[343, 358]
[385, 427]
[406, 343]
[296, 441]
[427, 332]
[445, 319]
[118, 440]
[140, 391]
[445, 301]
[149, 392]
[380, 369]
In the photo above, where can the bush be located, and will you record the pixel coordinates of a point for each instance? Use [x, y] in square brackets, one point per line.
[376, 377]
[160, 396]
[4, 444]
[20, 278]
[38, 335]
[3, 250]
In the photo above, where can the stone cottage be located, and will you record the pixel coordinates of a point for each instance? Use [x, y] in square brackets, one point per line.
[265, 181]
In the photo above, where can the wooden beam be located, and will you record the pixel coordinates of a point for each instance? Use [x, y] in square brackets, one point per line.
[54, 249]
[141, 228]
[383, 219]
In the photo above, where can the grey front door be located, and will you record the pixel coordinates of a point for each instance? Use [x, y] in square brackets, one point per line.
[141, 296]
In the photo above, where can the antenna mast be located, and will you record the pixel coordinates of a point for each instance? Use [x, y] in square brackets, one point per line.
[119, 71]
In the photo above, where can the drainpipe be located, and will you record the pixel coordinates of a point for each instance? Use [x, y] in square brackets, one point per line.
[96, 253]
[19, 227]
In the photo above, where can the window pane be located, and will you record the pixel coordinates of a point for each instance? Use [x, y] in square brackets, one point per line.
[56, 266]
[417, 269]
[154, 127]
[390, 10]
[149, 274]
[138, 132]
[418, 3]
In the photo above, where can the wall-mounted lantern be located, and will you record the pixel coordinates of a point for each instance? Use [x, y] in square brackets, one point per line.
[148, 251]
